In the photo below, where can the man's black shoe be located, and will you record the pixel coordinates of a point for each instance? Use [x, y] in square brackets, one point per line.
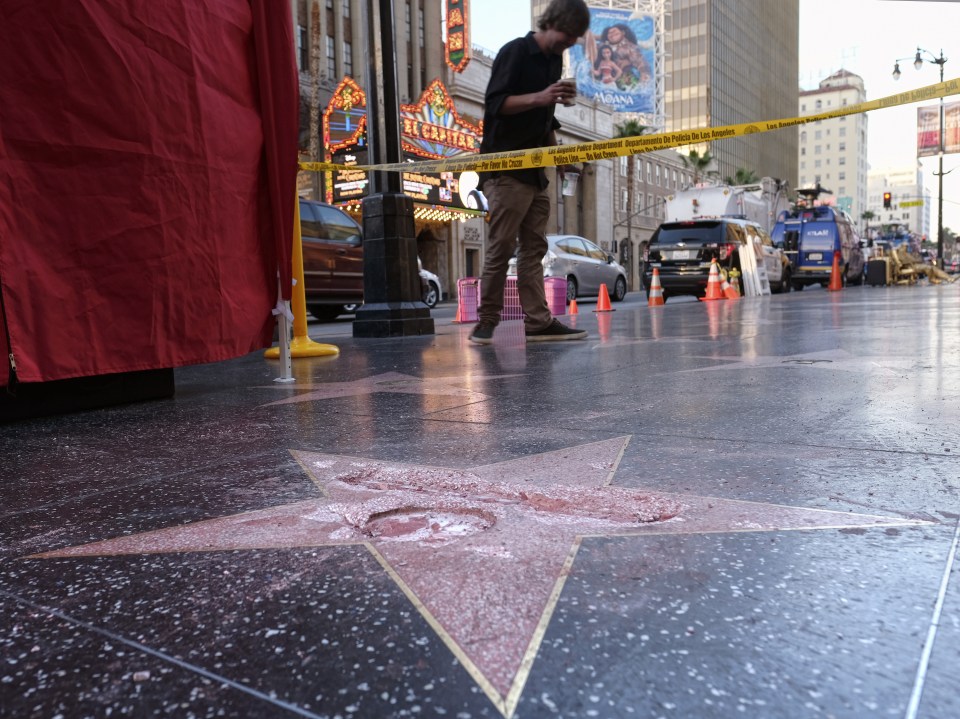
[482, 333]
[555, 332]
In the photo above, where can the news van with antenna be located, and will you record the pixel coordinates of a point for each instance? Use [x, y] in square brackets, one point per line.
[810, 234]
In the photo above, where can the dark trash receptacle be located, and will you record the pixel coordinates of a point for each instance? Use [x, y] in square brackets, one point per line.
[877, 273]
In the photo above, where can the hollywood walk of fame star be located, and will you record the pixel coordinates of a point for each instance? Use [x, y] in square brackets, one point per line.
[827, 359]
[482, 553]
[389, 382]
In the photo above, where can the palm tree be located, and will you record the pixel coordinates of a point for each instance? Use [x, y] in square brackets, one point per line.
[698, 163]
[630, 128]
[743, 176]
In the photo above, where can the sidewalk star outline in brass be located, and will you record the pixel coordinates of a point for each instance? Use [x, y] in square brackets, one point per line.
[458, 542]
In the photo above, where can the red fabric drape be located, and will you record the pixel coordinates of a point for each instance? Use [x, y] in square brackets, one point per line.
[147, 179]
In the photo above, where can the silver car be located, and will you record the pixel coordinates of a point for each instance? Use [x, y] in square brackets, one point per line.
[584, 266]
[430, 284]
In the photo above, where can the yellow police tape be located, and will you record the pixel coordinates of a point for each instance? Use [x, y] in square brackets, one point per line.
[620, 147]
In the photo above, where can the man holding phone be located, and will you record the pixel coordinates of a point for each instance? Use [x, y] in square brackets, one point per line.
[522, 95]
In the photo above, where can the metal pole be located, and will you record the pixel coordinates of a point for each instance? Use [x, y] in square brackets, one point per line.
[392, 305]
[940, 181]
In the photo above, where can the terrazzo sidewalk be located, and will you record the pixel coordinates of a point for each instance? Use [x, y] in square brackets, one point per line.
[705, 510]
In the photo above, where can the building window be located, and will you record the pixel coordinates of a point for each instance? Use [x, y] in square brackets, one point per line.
[819, 104]
[843, 161]
[842, 176]
[303, 48]
[658, 175]
[649, 173]
[817, 163]
[803, 151]
[346, 9]
[816, 149]
[843, 132]
[843, 146]
[331, 58]
[421, 27]
[649, 206]
[623, 200]
[623, 166]
[818, 135]
[408, 20]
[348, 58]
[675, 180]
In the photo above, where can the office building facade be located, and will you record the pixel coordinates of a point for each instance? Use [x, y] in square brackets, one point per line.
[833, 152]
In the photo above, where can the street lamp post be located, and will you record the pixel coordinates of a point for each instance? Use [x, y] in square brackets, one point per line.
[918, 61]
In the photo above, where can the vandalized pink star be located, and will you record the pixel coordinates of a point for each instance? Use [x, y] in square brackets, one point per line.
[482, 553]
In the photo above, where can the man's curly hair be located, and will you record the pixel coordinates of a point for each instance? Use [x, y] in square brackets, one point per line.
[569, 16]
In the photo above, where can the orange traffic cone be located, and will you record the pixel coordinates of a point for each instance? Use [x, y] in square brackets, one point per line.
[603, 301]
[573, 307]
[655, 296]
[835, 282]
[728, 291]
[713, 284]
[459, 316]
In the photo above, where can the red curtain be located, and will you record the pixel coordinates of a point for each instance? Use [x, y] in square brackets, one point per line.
[147, 177]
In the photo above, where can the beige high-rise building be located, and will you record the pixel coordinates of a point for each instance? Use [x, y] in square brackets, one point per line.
[833, 152]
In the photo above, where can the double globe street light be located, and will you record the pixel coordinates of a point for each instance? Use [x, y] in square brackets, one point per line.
[918, 61]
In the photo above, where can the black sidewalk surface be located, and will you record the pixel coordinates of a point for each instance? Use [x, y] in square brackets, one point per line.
[715, 509]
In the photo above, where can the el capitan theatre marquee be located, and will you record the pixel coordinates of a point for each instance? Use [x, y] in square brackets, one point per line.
[430, 129]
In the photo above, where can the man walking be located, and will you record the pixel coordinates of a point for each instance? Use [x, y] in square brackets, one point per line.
[521, 97]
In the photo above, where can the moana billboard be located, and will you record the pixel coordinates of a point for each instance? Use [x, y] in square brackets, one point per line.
[615, 61]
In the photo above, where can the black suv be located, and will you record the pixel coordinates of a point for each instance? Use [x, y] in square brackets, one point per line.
[683, 252]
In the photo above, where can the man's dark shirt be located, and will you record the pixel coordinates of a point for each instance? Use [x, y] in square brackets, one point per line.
[520, 68]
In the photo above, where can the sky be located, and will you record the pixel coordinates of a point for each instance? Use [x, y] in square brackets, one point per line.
[865, 37]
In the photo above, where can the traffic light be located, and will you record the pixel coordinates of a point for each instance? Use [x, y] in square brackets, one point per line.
[886, 200]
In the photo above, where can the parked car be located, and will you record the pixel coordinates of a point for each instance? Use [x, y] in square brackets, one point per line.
[431, 286]
[333, 262]
[584, 266]
[683, 252]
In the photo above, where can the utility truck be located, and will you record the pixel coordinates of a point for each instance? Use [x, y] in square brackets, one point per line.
[760, 202]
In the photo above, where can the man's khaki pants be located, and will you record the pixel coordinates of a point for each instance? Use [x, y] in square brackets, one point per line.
[518, 214]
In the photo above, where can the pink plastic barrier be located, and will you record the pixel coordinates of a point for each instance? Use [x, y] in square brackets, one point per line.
[468, 298]
[556, 289]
